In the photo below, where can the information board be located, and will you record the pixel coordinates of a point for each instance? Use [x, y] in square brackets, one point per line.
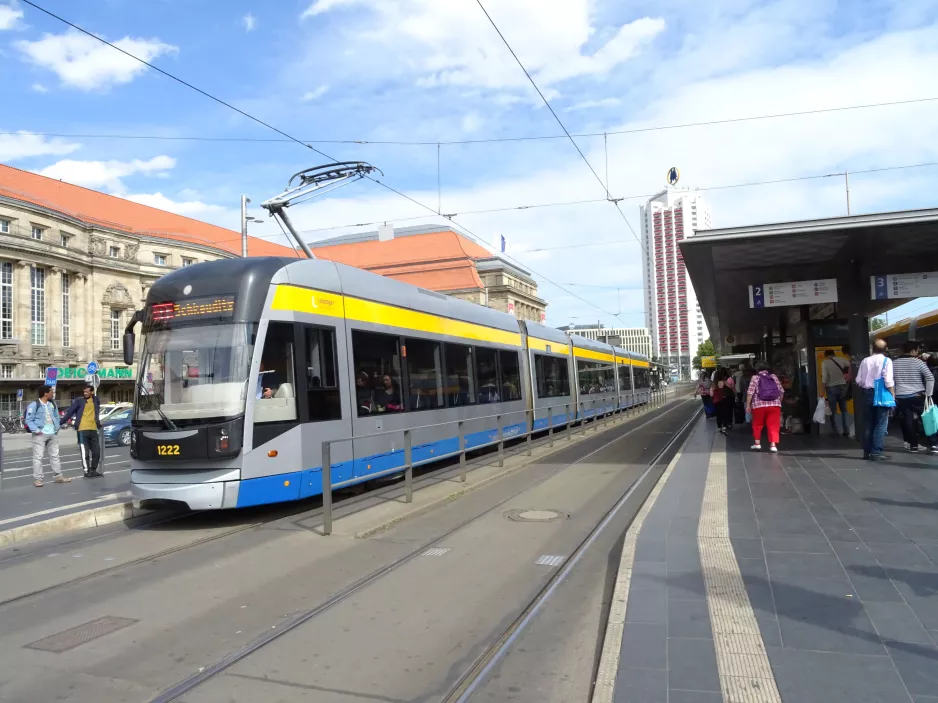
[775, 295]
[904, 285]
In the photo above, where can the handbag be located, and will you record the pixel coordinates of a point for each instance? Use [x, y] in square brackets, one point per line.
[882, 398]
[930, 418]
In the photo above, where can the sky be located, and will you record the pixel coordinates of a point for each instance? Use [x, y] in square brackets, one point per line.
[366, 71]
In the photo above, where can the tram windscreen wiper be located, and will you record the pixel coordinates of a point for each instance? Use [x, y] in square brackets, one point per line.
[170, 425]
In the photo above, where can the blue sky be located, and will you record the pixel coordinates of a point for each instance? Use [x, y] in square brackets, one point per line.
[426, 70]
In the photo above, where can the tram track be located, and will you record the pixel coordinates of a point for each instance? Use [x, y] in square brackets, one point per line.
[349, 505]
[497, 648]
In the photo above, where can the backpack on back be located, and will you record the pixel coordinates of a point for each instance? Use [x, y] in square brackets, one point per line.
[767, 389]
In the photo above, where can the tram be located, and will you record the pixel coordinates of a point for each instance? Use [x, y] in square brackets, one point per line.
[248, 365]
[922, 329]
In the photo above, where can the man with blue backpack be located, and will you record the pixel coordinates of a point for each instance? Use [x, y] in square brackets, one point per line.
[42, 419]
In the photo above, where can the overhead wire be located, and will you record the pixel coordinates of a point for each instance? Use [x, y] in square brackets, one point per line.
[292, 138]
[485, 140]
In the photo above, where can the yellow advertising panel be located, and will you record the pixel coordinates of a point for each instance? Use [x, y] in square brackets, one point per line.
[708, 362]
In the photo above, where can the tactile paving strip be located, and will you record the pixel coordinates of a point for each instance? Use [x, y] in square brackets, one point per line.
[82, 634]
[604, 688]
[745, 672]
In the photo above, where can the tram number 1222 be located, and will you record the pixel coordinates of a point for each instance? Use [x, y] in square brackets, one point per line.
[167, 449]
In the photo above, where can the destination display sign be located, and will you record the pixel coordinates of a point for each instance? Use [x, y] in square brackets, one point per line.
[904, 285]
[195, 310]
[775, 295]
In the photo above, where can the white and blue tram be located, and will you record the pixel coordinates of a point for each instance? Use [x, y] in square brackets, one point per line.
[248, 365]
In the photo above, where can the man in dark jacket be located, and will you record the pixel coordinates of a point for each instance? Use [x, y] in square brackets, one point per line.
[87, 410]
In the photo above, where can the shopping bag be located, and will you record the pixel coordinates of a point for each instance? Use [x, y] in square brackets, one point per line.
[930, 418]
[820, 416]
[882, 398]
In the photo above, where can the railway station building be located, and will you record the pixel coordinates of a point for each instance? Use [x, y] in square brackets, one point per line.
[787, 292]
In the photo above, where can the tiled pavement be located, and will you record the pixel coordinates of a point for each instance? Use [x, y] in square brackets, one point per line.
[839, 557]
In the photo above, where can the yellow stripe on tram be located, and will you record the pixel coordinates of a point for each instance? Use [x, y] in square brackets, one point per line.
[315, 302]
[536, 344]
[594, 355]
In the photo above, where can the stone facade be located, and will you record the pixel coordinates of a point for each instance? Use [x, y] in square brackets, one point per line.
[108, 273]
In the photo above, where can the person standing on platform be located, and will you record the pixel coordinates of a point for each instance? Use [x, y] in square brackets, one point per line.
[914, 383]
[703, 390]
[42, 419]
[834, 375]
[876, 417]
[723, 400]
[87, 409]
[764, 403]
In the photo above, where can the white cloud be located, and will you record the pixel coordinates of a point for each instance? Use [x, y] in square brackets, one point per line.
[249, 22]
[312, 95]
[9, 17]
[40, 88]
[189, 208]
[452, 43]
[22, 146]
[85, 63]
[600, 104]
[106, 174]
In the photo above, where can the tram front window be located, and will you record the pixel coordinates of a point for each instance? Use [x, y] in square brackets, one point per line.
[195, 374]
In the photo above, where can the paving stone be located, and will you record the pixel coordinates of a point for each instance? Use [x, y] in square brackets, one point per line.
[824, 677]
[641, 686]
[768, 628]
[647, 605]
[797, 567]
[900, 555]
[686, 584]
[644, 646]
[796, 543]
[676, 696]
[837, 533]
[648, 574]
[772, 490]
[920, 590]
[873, 584]
[897, 622]
[683, 527]
[747, 548]
[744, 529]
[824, 615]
[851, 553]
[682, 552]
[772, 526]
[689, 618]
[692, 665]
[650, 549]
[917, 665]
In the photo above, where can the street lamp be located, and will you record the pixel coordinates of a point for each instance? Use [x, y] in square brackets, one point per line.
[245, 218]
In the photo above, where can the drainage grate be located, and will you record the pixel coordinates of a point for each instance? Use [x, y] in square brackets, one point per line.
[77, 636]
[435, 552]
[550, 560]
[529, 515]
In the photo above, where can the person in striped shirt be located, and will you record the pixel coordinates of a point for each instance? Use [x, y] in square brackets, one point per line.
[914, 383]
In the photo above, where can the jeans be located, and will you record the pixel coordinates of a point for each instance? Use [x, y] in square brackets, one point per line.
[910, 409]
[837, 398]
[43, 443]
[876, 421]
[90, 450]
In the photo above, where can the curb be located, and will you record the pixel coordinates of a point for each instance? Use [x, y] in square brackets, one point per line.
[94, 517]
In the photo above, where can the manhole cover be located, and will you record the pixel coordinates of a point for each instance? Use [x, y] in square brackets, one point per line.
[526, 515]
[77, 636]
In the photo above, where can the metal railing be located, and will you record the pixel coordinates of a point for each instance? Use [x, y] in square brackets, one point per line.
[600, 414]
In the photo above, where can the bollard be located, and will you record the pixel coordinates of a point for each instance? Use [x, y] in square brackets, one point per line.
[501, 441]
[408, 468]
[326, 488]
[527, 440]
[462, 452]
[550, 427]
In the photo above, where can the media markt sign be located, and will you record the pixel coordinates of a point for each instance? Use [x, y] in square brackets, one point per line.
[105, 373]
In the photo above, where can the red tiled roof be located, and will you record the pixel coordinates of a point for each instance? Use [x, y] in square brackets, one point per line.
[95, 208]
[439, 261]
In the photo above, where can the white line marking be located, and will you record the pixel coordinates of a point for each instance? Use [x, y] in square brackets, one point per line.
[745, 671]
[435, 552]
[102, 499]
[550, 560]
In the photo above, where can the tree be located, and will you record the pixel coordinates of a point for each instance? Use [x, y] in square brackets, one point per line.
[877, 323]
[703, 349]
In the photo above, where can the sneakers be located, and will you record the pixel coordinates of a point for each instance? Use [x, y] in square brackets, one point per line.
[62, 479]
[913, 449]
[774, 450]
[756, 447]
[933, 450]
[906, 445]
[37, 484]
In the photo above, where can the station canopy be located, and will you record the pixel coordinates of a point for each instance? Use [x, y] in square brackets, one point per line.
[723, 263]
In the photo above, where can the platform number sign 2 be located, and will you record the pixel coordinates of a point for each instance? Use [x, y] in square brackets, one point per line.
[757, 296]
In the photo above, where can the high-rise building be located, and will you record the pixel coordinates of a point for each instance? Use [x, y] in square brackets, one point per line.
[672, 313]
[634, 339]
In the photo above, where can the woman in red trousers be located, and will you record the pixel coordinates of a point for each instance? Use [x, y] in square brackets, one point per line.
[764, 402]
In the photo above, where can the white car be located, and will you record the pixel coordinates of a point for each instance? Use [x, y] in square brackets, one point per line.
[109, 408]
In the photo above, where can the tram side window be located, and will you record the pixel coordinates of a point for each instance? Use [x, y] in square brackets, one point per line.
[275, 394]
[460, 375]
[625, 379]
[322, 384]
[594, 377]
[377, 366]
[641, 378]
[511, 375]
[425, 374]
[553, 380]
[487, 365]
